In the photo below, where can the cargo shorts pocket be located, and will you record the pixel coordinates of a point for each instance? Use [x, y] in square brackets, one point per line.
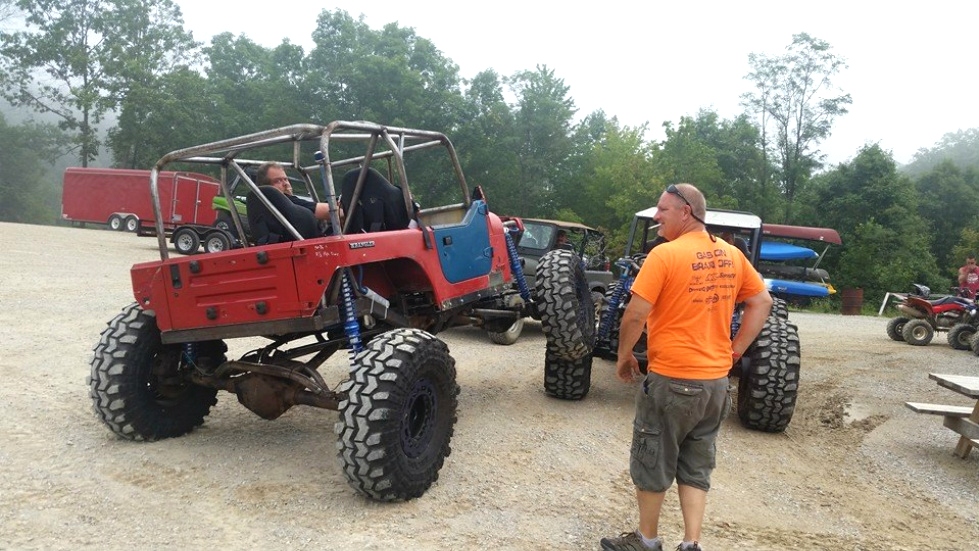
[644, 453]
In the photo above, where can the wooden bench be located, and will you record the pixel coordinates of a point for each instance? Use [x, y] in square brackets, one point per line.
[955, 419]
[939, 409]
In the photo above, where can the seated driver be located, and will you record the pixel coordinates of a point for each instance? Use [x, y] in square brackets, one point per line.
[272, 174]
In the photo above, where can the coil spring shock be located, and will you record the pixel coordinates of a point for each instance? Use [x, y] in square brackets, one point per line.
[516, 268]
[350, 326]
[624, 286]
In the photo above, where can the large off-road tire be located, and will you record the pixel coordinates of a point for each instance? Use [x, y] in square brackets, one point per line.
[397, 415]
[895, 328]
[918, 332]
[509, 336]
[768, 384]
[960, 336]
[567, 379]
[139, 386]
[780, 308]
[565, 305]
[639, 350]
[186, 241]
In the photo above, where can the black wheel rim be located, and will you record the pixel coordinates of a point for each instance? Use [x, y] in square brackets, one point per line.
[418, 418]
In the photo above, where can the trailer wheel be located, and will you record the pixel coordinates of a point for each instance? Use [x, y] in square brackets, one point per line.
[132, 224]
[216, 241]
[115, 222]
[139, 386]
[397, 415]
[186, 241]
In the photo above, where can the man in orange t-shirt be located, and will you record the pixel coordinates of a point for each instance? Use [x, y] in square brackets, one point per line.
[685, 295]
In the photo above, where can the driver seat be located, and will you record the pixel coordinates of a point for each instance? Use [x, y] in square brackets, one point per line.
[266, 229]
[380, 207]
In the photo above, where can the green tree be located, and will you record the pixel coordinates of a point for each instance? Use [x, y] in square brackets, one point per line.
[795, 95]
[26, 194]
[77, 60]
[960, 148]
[544, 115]
[886, 243]
[949, 203]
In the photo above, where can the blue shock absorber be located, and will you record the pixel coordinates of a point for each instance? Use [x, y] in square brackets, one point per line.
[350, 326]
[624, 286]
[516, 268]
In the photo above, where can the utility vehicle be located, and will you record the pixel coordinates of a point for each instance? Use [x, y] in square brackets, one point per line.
[768, 373]
[392, 277]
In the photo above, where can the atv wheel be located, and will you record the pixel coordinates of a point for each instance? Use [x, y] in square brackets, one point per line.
[567, 379]
[639, 350]
[565, 305]
[895, 328]
[768, 385]
[974, 343]
[186, 241]
[918, 332]
[139, 386]
[509, 336]
[960, 336]
[397, 415]
[226, 223]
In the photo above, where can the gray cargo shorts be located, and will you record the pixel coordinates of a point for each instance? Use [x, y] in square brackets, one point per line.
[675, 432]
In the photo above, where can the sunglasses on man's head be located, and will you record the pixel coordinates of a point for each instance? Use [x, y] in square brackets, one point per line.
[673, 190]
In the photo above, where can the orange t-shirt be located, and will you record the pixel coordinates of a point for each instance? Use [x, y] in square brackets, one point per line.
[693, 284]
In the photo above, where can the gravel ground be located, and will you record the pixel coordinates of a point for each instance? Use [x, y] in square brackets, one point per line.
[854, 470]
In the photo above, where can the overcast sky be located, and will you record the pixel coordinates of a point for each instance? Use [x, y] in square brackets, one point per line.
[912, 66]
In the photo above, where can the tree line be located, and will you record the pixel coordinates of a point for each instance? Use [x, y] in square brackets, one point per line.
[131, 66]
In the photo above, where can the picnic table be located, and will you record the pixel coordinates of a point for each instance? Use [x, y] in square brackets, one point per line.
[961, 419]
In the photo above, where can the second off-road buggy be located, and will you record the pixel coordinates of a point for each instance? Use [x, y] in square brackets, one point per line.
[768, 373]
[382, 287]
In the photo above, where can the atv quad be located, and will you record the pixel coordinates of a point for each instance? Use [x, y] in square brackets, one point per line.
[768, 373]
[381, 288]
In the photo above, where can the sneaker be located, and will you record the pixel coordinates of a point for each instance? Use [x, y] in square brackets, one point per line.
[628, 541]
[693, 547]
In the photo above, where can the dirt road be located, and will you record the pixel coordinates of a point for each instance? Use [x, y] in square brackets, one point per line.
[854, 470]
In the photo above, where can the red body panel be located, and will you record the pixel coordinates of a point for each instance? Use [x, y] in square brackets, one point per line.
[95, 194]
[288, 280]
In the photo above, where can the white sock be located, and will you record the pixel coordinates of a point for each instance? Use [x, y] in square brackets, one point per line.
[649, 542]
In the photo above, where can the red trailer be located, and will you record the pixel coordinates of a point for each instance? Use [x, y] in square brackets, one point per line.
[121, 198]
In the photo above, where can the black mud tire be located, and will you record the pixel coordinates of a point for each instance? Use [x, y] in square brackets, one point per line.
[509, 336]
[186, 241]
[918, 332]
[639, 350]
[895, 327]
[768, 385]
[216, 241]
[139, 386]
[397, 415]
[960, 336]
[567, 313]
[567, 379]
[780, 307]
